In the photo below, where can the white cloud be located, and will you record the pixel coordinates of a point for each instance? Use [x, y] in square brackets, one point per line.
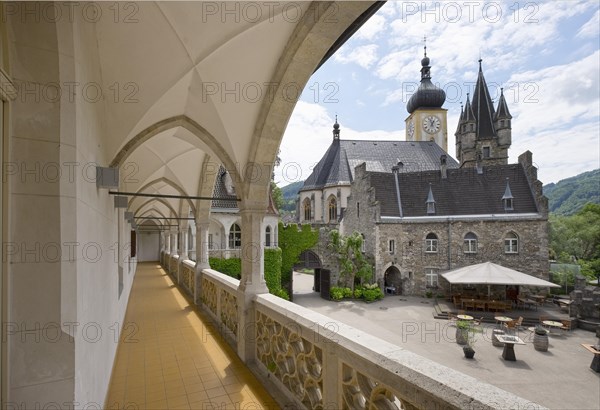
[371, 28]
[365, 56]
[307, 137]
[591, 29]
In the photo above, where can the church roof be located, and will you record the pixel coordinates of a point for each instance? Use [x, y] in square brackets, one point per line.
[336, 167]
[463, 192]
[483, 108]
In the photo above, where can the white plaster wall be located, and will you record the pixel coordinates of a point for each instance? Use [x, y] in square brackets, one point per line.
[100, 309]
[148, 247]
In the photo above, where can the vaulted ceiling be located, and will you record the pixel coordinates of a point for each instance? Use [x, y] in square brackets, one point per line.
[202, 84]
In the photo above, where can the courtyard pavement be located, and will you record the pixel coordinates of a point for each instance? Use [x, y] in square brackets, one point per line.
[560, 378]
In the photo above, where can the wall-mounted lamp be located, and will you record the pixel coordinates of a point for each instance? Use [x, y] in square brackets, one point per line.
[107, 177]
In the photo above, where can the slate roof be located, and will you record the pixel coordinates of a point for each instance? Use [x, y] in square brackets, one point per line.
[225, 201]
[463, 192]
[336, 167]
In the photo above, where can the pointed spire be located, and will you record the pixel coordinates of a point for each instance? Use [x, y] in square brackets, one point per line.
[483, 108]
[460, 119]
[502, 112]
[469, 115]
[336, 129]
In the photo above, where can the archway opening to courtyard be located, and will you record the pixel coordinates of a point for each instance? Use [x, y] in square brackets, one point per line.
[307, 272]
[393, 281]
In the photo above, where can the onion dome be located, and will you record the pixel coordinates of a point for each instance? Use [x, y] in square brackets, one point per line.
[427, 95]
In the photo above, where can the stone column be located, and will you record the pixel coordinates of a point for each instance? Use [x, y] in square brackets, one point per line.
[253, 280]
[201, 257]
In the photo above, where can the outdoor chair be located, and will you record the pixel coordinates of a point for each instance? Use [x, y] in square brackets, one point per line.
[478, 322]
[511, 327]
[452, 319]
[567, 325]
[519, 323]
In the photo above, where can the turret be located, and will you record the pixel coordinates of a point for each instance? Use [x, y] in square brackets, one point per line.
[502, 120]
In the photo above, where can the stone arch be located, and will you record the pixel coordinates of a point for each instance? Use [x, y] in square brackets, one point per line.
[392, 279]
[172, 184]
[177, 121]
[311, 41]
[308, 259]
[153, 209]
[162, 201]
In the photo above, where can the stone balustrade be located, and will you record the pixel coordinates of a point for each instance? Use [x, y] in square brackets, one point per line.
[188, 271]
[316, 362]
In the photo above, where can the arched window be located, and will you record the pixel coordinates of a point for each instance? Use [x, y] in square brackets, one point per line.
[470, 243]
[431, 243]
[235, 237]
[268, 236]
[332, 209]
[511, 243]
[191, 242]
[307, 210]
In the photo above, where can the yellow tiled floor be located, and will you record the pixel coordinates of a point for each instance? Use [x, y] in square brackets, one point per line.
[169, 359]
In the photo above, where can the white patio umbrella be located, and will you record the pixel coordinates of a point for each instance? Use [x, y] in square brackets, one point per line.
[489, 273]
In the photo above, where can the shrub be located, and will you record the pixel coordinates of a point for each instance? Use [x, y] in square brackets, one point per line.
[273, 269]
[282, 293]
[347, 292]
[358, 293]
[336, 293]
[230, 267]
[372, 294]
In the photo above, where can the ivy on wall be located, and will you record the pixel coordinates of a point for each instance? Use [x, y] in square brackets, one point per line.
[293, 242]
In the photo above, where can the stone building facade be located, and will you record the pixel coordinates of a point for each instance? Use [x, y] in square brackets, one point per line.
[410, 251]
[420, 211]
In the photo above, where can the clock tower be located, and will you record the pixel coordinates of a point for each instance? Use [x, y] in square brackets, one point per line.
[427, 120]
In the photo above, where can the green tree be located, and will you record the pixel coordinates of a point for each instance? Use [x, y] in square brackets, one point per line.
[353, 265]
[277, 196]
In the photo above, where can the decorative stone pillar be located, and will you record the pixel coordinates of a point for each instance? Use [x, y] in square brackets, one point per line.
[253, 280]
[201, 257]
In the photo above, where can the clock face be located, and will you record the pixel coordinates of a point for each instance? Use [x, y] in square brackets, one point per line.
[411, 129]
[431, 124]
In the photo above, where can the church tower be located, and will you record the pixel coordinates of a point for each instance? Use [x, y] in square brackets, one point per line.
[427, 120]
[483, 135]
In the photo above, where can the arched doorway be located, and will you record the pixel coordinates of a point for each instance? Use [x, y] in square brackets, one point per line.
[393, 281]
[309, 264]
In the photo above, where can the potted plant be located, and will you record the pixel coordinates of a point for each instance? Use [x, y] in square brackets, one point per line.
[462, 331]
[468, 349]
[540, 339]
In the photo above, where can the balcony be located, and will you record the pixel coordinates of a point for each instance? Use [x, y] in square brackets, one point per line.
[308, 360]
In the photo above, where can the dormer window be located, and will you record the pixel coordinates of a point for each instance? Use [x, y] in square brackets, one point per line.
[507, 198]
[430, 202]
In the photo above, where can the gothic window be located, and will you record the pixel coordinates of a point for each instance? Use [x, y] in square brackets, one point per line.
[307, 210]
[431, 277]
[511, 243]
[392, 246]
[191, 241]
[470, 243]
[332, 209]
[235, 237]
[210, 241]
[363, 245]
[268, 236]
[431, 243]
[486, 152]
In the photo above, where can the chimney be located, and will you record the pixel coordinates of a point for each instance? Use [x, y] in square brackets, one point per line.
[443, 166]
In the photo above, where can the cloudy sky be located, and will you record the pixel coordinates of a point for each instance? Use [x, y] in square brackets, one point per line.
[546, 55]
